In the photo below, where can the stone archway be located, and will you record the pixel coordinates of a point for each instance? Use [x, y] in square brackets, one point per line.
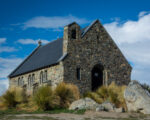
[97, 76]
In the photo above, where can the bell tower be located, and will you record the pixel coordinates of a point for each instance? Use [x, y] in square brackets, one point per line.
[71, 33]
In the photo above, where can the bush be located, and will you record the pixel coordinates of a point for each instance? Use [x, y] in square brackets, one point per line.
[94, 96]
[112, 93]
[67, 94]
[45, 99]
[9, 99]
[20, 95]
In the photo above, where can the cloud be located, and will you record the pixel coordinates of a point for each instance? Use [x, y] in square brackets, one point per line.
[31, 41]
[5, 48]
[2, 40]
[6, 67]
[133, 38]
[55, 22]
[3, 86]
[141, 14]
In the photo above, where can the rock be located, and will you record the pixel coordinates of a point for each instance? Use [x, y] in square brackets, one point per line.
[136, 98]
[119, 110]
[108, 106]
[85, 103]
[100, 108]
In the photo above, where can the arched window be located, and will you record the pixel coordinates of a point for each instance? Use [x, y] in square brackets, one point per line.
[41, 77]
[29, 80]
[33, 78]
[19, 81]
[22, 81]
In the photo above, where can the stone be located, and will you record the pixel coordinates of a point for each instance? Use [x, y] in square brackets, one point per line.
[85, 103]
[108, 106]
[100, 108]
[136, 98]
[119, 110]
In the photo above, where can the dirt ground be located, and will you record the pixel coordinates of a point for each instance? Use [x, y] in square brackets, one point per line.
[89, 115]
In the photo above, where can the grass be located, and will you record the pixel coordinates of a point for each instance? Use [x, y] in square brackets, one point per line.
[112, 93]
[55, 111]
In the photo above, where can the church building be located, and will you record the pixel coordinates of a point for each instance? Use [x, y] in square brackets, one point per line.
[86, 57]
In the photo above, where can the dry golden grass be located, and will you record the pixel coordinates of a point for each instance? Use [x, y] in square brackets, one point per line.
[74, 90]
[30, 106]
[112, 93]
[67, 94]
[45, 98]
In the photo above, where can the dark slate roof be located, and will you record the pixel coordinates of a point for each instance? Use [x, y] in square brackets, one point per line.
[42, 56]
[46, 55]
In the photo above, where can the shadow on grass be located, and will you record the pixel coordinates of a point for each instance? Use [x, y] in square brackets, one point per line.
[55, 111]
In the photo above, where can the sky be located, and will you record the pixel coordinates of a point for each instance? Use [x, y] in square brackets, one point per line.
[24, 22]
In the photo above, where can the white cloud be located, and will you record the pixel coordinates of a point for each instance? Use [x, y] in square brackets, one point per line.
[5, 48]
[31, 41]
[3, 86]
[133, 38]
[141, 14]
[6, 67]
[52, 22]
[2, 40]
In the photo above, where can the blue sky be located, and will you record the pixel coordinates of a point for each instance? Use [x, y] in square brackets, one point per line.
[24, 22]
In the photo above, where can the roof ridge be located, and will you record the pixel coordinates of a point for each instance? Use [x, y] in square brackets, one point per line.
[24, 60]
[88, 27]
[51, 42]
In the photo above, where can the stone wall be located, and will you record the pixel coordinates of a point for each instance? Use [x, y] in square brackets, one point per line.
[54, 76]
[95, 47]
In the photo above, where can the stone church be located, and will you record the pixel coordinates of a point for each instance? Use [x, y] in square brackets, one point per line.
[86, 57]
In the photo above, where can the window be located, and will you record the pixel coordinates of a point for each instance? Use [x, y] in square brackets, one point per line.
[41, 77]
[78, 74]
[29, 80]
[33, 78]
[19, 81]
[22, 81]
[73, 34]
[45, 76]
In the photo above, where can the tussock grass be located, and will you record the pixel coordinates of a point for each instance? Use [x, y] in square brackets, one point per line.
[45, 98]
[61, 97]
[67, 94]
[112, 93]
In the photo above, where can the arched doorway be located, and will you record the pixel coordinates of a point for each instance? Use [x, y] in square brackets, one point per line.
[97, 76]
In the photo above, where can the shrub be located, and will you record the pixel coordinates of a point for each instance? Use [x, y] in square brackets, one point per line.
[94, 96]
[112, 93]
[67, 94]
[44, 98]
[75, 91]
[9, 99]
[20, 95]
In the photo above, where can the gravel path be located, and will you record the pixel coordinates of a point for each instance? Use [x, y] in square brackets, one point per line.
[89, 115]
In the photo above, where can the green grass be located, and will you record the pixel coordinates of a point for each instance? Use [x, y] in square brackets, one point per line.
[55, 111]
